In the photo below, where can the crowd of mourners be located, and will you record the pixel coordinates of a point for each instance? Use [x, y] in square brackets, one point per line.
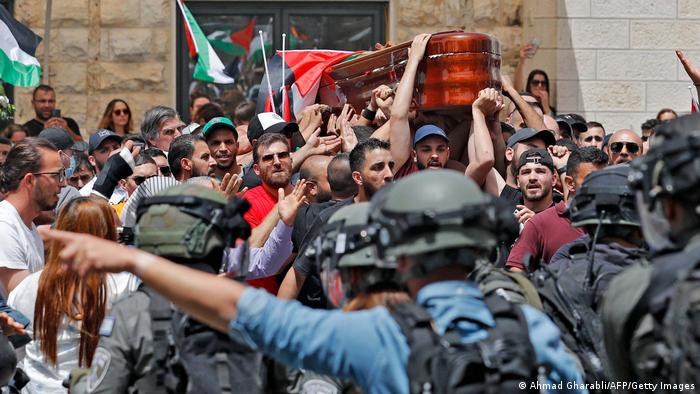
[503, 247]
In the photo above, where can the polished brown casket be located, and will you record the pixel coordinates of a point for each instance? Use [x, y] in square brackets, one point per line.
[456, 66]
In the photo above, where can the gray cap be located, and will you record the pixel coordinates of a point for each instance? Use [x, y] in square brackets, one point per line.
[57, 136]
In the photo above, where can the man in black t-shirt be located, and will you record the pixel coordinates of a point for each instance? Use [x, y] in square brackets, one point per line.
[44, 102]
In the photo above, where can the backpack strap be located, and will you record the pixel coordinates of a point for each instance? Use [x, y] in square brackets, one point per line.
[222, 373]
[163, 344]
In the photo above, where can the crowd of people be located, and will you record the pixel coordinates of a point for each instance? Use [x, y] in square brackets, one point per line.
[500, 248]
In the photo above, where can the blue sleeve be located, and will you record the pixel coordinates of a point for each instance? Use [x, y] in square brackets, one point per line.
[550, 351]
[17, 340]
[365, 346]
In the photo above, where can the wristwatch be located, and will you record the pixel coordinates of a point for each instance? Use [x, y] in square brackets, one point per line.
[561, 169]
[369, 114]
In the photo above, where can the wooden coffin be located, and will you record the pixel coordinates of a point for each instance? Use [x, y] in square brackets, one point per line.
[457, 65]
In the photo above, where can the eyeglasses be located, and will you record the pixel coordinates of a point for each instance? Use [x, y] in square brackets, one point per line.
[138, 180]
[165, 170]
[595, 138]
[280, 156]
[119, 112]
[539, 82]
[616, 147]
[59, 175]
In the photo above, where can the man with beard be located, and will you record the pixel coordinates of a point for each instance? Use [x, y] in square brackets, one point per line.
[372, 168]
[190, 157]
[32, 178]
[624, 146]
[549, 229]
[44, 102]
[100, 148]
[315, 171]
[222, 139]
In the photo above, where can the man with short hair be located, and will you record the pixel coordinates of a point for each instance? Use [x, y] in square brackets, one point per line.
[101, 146]
[535, 177]
[648, 132]
[593, 136]
[31, 178]
[624, 146]
[315, 171]
[197, 100]
[190, 157]
[571, 125]
[44, 102]
[160, 159]
[222, 139]
[5, 146]
[372, 168]
[160, 126]
[242, 115]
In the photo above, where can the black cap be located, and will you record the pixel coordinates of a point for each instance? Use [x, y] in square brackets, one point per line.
[99, 137]
[57, 136]
[507, 128]
[525, 134]
[536, 156]
[269, 122]
[571, 123]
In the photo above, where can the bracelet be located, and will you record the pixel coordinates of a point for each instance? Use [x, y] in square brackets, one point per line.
[562, 169]
[369, 114]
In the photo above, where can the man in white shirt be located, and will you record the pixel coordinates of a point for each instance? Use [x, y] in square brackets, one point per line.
[32, 178]
[101, 146]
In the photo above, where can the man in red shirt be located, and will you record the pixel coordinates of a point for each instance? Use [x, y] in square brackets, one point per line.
[273, 164]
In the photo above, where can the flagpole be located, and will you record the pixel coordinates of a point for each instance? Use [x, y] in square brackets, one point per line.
[267, 72]
[284, 86]
[47, 41]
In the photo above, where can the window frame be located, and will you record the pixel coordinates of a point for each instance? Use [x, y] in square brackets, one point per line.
[281, 11]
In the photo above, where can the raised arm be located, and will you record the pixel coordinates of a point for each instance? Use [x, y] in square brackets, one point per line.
[400, 132]
[531, 118]
[691, 69]
[526, 52]
[480, 148]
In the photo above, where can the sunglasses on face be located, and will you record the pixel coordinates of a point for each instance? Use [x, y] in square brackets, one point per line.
[595, 138]
[165, 170]
[138, 180]
[280, 156]
[539, 82]
[119, 112]
[616, 147]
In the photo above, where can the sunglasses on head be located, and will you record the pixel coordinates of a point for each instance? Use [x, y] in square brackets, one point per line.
[119, 112]
[165, 170]
[538, 82]
[616, 147]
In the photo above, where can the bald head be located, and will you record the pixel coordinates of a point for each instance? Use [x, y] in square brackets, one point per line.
[314, 169]
[552, 124]
[625, 145]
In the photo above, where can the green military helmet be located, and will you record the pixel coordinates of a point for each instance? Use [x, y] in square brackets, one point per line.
[347, 254]
[190, 222]
[436, 210]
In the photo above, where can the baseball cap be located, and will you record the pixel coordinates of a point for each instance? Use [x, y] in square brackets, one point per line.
[269, 122]
[525, 134]
[507, 128]
[101, 136]
[428, 130]
[57, 136]
[570, 123]
[536, 156]
[220, 122]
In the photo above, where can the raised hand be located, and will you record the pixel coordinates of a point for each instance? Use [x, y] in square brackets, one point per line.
[489, 102]
[231, 186]
[527, 51]
[417, 50]
[691, 69]
[288, 206]
[347, 135]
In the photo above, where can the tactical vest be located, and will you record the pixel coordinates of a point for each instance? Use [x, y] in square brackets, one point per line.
[444, 364]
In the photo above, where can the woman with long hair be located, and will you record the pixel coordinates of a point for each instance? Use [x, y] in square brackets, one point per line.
[67, 310]
[117, 117]
[538, 86]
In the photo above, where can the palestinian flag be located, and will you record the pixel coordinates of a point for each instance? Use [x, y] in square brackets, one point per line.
[18, 63]
[209, 67]
[255, 52]
[236, 43]
[303, 72]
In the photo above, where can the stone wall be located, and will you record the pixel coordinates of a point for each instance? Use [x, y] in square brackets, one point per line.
[100, 50]
[502, 18]
[613, 60]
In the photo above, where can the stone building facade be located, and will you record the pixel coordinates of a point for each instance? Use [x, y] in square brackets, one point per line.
[611, 60]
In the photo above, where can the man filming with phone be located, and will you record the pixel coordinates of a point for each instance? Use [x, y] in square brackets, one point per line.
[47, 115]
